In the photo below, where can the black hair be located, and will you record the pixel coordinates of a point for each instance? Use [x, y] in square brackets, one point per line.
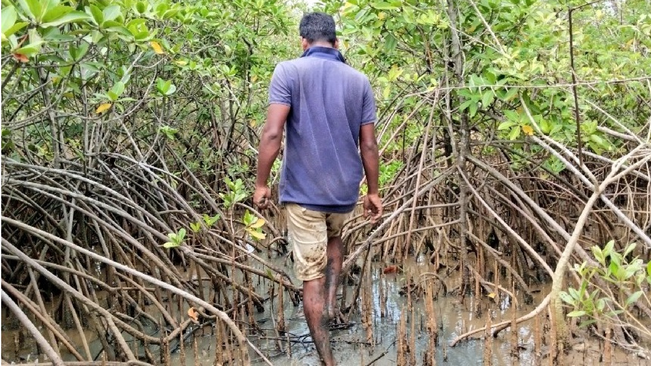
[318, 27]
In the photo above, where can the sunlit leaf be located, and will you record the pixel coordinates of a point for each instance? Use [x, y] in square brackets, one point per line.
[157, 48]
[9, 17]
[258, 224]
[103, 108]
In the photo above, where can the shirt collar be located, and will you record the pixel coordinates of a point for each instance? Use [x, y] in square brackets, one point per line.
[327, 53]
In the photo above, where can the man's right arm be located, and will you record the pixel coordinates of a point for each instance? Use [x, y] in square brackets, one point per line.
[272, 136]
[370, 160]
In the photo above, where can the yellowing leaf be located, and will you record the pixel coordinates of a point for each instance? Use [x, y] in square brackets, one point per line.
[256, 234]
[181, 62]
[193, 314]
[157, 48]
[528, 130]
[258, 224]
[103, 108]
[492, 295]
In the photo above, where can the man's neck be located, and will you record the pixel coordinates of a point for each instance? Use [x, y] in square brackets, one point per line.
[320, 44]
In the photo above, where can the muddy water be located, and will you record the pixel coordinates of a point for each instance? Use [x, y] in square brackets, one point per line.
[350, 344]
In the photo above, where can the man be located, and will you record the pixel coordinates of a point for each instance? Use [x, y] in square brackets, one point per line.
[328, 110]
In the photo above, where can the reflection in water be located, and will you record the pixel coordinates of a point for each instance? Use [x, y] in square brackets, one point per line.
[452, 317]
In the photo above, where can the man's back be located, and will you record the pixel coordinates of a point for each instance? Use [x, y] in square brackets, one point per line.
[328, 112]
[329, 103]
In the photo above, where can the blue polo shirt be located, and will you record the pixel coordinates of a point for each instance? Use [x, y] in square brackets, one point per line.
[330, 101]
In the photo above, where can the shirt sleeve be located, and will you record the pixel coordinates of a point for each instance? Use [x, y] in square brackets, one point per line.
[279, 89]
[368, 105]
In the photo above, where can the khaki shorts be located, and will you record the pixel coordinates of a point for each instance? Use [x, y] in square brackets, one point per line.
[308, 234]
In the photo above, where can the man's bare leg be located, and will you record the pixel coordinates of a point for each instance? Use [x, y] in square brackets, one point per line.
[333, 270]
[314, 300]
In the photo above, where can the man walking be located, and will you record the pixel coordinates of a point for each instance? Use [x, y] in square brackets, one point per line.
[328, 111]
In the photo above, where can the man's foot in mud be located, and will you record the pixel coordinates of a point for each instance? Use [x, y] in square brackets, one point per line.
[338, 320]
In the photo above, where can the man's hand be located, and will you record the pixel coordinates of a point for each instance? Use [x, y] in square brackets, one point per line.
[261, 197]
[373, 207]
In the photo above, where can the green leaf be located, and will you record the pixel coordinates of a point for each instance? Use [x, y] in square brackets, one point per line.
[510, 94]
[111, 12]
[512, 116]
[181, 234]
[648, 269]
[9, 17]
[545, 126]
[34, 45]
[74, 16]
[466, 104]
[168, 131]
[390, 42]
[629, 249]
[169, 245]
[118, 89]
[576, 314]
[506, 125]
[141, 7]
[473, 109]
[487, 98]
[598, 254]
[78, 52]
[97, 14]
[514, 134]
[170, 90]
[566, 298]
[608, 248]
[633, 298]
[15, 28]
[587, 322]
[195, 226]
[32, 8]
[382, 5]
[56, 12]
[163, 86]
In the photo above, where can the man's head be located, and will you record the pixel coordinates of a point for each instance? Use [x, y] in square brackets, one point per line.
[318, 29]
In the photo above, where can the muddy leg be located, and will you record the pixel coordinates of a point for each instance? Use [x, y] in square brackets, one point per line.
[314, 300]
[333, 270]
